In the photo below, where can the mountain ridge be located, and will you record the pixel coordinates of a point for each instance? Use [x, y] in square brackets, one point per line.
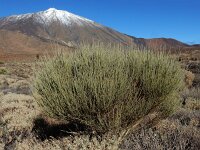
[66, 29]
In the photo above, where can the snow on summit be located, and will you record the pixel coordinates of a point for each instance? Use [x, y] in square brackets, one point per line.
[64, 17]
[51, 15]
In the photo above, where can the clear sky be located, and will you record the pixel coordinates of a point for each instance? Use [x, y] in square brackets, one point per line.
[179, 19]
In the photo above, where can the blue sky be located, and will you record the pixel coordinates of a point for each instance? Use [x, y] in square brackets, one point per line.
[179, 19]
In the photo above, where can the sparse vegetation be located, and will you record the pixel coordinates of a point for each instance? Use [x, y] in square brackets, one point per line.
[171, 135]
[193, 93]
[18, 113]
[3, 71]
[192, 98]
[189, 78]
[107, 88]
[37, 56]
[1, 62]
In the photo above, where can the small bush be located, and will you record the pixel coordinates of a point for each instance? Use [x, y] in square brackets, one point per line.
[192, 98]
[193, 104]
[37, 56]
[3, 71]
[189, 78]
[1, 62]
[107, 88]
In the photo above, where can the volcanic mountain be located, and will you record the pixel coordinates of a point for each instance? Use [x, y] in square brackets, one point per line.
[34, 33]
[61, 26]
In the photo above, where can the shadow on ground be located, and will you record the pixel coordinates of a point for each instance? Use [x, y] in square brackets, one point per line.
[44, 130]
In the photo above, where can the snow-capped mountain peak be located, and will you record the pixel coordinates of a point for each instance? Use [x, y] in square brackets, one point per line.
[59, 26]
[62, 16]
[52, 9]
[51, 15]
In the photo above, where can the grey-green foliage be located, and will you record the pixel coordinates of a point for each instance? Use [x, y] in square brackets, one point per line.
[107, 88]
[3, 71]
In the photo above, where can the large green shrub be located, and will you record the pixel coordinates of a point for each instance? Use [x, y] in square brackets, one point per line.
[107, 88]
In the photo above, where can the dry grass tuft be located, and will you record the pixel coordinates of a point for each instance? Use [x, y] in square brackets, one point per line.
[189, 78]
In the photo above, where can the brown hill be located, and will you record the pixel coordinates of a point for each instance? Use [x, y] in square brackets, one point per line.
[15, 45]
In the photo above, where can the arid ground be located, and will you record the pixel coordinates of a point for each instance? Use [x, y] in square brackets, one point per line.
[22, 128]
